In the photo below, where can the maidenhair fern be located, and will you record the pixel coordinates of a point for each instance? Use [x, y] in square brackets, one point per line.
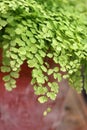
[34, 31]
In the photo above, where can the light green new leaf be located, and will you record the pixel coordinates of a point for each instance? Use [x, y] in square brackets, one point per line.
[42, 99]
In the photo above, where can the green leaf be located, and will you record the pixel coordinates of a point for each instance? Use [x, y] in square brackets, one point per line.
[54, 43]
[5, 69]
[45, 113]
[63, 69]
[13, 49]
[59, 76]
[66, 76]
[32, 39]
[42, 53]
[33, 81]
[49, 25]
[50, 55]
[3, 22]
[54, 87]
[6, 78]
[69, 34]
[44, 68]
[30, 55]
[12, 63]
[22, 50]
[59, 39]
[5, 36]
[20, 42]
[51, 95]
[70, 71]
[33, 49]
[29, 33]
[13, 43]
[32, 62]
[56, 69]
[44, 29]
[40, 80]
[13, 82]
[14, 74]
[33, 31]
[10, 19]
[42, 99]
[18, 31]
[24, 38]
[40, 90]
[39, 58]
[50, 71]
[14, 56]
[8, 86]
[55, 76]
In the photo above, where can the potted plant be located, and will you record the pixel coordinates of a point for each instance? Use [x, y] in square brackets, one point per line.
[41, 33]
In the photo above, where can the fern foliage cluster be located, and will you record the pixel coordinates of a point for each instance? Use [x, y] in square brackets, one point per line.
[36, 30]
